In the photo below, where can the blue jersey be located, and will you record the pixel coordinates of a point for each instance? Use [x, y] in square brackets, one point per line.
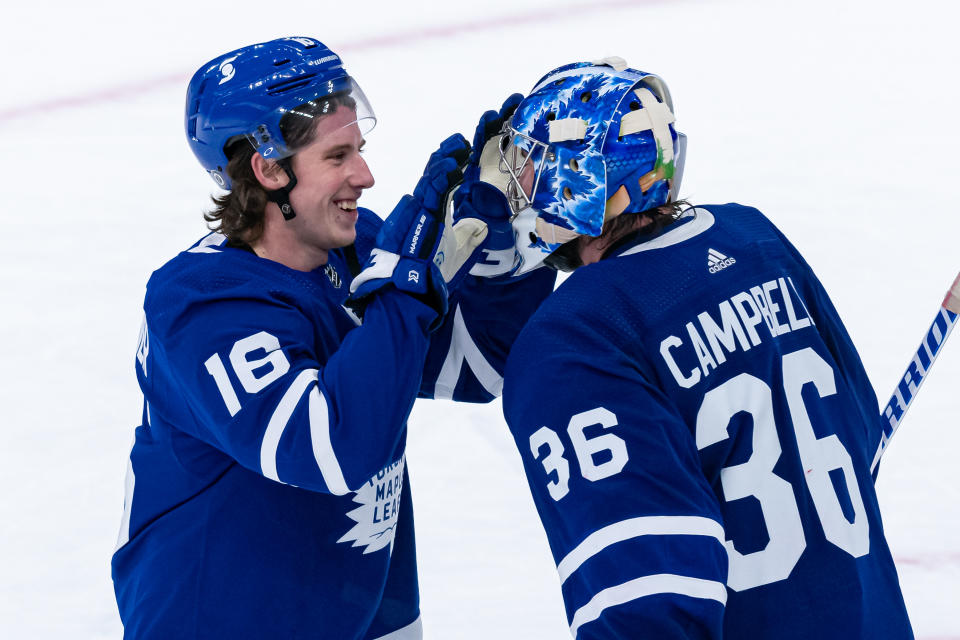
[697, 430]
[267, 492]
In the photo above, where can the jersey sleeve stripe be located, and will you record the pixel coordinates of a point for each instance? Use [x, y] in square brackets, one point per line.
[322, 448]
[635, 527]
[279, 419]
[209, 244]
[462, 347]
[129, 485]
[647, 586]
[413, 631]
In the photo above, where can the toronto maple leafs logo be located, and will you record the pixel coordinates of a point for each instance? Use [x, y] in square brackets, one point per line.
[376, 517]
[333, 276]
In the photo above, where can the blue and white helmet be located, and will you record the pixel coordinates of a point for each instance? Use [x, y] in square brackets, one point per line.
[245, 93]
[591, 141]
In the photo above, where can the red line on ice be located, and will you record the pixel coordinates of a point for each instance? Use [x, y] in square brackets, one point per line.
[929, 561]
[125, 91]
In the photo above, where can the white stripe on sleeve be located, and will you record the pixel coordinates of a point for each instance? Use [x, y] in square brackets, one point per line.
[280, 418]
[413, 631]
[647, 586]
[129, 484]
[635, 527]
[462, 347]
[322, 449]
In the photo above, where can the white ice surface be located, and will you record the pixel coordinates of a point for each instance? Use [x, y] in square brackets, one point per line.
[836, 118]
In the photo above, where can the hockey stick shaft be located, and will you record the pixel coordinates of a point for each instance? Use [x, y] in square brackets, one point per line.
[919, 367]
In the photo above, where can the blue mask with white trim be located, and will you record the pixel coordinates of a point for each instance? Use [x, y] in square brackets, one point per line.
[591, 141]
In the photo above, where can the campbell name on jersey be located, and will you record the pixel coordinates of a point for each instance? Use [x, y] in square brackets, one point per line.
[774, 306]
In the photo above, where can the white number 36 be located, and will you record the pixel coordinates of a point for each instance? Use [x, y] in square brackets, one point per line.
[586, 450]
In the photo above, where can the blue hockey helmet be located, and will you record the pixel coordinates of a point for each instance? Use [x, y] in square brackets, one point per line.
[245, 93]
[591, 141]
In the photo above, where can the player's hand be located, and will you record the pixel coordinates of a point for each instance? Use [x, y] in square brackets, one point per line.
[483, 194]
[414, 251]
[459, 237]
[484, 163]
[444, 172]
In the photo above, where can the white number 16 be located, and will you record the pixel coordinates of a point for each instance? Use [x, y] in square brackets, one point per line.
[254, 375]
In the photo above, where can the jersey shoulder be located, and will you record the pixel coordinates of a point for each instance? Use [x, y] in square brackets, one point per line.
[211, 274]
[710, 249]
[576, 323]
[614, 302]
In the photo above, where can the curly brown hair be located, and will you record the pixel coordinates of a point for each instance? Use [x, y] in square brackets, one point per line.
[616, 232]
[239, 213]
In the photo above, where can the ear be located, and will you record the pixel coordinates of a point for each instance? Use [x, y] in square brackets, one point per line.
[270, 175]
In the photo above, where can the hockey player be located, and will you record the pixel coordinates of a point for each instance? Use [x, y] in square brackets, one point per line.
[695, 424]
[267, 492]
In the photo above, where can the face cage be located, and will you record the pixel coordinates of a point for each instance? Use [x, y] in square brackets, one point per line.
[514, 160]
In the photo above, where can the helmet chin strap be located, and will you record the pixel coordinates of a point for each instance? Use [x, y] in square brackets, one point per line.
[281, 196]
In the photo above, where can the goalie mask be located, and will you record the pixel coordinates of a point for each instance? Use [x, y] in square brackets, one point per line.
[590, 142]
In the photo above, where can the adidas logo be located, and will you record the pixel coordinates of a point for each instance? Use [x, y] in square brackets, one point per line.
[716, 261]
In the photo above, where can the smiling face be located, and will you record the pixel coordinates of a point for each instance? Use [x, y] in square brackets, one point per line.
[331, 176]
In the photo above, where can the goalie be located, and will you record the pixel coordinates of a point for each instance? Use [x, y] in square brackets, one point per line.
[695, 424]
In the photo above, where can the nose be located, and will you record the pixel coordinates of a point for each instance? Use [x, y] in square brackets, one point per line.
[526, 179]
[361, 177]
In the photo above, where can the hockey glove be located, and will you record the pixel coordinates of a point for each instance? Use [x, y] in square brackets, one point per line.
[482, 195]
[414, 251]
[484, 164]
